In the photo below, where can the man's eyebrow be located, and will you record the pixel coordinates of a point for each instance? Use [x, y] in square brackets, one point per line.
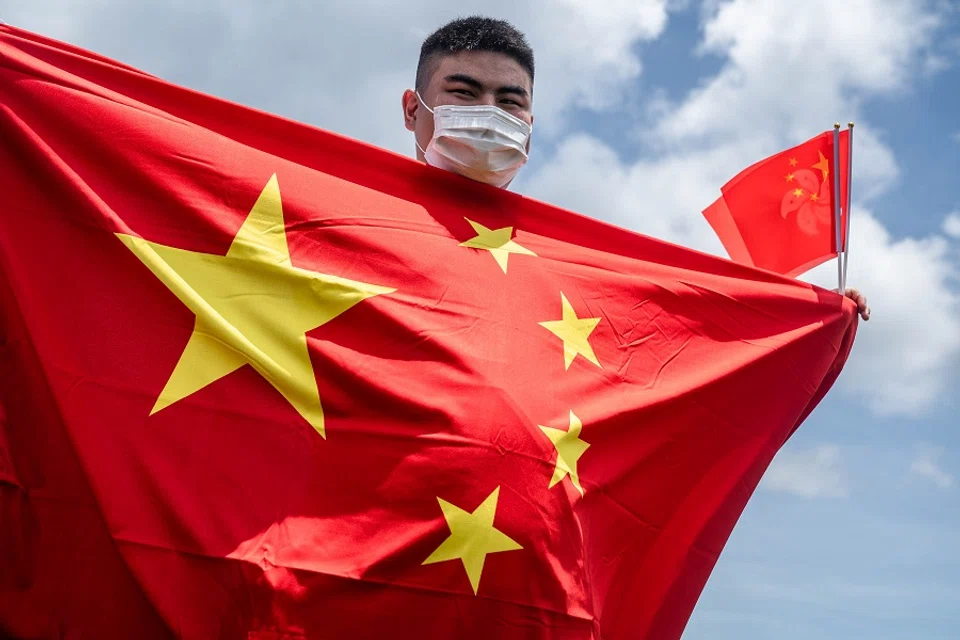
[476, 84]
[465, 79]
[513, 89]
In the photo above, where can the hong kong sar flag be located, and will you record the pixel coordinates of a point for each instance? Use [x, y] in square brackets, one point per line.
[778, 213]
[259, 381]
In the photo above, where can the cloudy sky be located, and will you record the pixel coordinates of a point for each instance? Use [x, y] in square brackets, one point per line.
[644, 108]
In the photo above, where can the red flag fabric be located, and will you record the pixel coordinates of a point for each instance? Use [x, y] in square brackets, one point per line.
[777, 214]
[262, 381]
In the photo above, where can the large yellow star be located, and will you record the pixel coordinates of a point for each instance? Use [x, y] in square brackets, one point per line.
[575, 333]
[472, 537]
[569, 449]
[252, 306]
[497, 241]
[823, 165]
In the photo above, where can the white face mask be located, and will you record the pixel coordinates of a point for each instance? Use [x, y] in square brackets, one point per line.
[481, 142]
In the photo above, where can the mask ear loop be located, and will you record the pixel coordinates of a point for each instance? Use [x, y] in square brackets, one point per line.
[420, 98]
[422, 102]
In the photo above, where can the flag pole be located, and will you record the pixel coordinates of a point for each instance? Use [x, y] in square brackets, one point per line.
[846, 228]
[836, 203]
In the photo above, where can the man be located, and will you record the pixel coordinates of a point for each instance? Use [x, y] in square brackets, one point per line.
[483, 69]
[471, 111]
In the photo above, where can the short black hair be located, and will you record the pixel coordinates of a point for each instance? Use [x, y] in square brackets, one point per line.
[475, 33]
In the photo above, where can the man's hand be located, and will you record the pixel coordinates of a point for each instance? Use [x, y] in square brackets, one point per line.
[861, 301]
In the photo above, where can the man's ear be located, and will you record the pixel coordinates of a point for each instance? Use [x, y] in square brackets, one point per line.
[410, 105]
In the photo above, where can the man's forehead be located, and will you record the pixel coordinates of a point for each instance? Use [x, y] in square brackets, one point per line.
[491, 69]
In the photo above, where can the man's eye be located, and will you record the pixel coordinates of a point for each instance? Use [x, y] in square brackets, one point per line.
[463, 92]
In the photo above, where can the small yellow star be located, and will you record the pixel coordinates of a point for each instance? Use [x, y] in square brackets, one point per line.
[472, 537]
[569, 449]
[798, 192]
[793, 162]
[814, 197]
[789, 177]
[575, 333]
[497, 241]
[823, 165]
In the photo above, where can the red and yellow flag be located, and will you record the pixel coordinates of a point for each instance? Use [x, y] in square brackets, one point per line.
[261, 381]
[778, 214]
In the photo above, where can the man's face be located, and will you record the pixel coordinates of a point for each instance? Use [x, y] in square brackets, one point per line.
[469, 78]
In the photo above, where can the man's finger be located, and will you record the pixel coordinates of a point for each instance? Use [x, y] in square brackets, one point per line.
[861, 301]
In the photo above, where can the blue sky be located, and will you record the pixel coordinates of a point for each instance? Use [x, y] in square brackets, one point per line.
[644, 108]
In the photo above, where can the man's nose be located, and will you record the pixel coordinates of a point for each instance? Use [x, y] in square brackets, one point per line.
[488, 99]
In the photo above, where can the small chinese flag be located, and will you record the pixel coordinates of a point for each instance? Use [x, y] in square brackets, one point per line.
[261, 381]
[778, 213]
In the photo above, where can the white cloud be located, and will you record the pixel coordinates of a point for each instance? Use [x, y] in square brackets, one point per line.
[909, 350]
[926, 465]
[661, 198]
[813, 473]
[344, 65]
[790, 74]
[951, 225]
[935, 63]
[795, 71]
[586, 50]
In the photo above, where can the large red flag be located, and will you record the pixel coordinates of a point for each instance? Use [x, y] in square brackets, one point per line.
[261, 381]
[777, 214]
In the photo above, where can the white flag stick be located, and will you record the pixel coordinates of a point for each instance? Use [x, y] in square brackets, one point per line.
[847, 207]
[836, 203]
